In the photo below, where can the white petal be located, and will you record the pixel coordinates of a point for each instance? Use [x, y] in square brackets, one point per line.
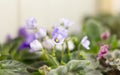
[71, 45]
[84, 39]
[48, 44]
[35, 45]
[85, 43]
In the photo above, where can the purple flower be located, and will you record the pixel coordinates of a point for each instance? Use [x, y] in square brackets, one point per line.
[105, 35]
[23, 32]
[85, 42]
[67, 23]
[59, 34]
[24, 45]
[28, 39]
[31, 23]
[103, 51]
[42, 32]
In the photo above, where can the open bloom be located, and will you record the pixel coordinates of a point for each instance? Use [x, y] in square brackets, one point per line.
[35, 46]
[103, 51]
[28, 39]
[105, 35]
[85, 42]
[31, 23]
[67, 23]
[59, 34]
[42, 32]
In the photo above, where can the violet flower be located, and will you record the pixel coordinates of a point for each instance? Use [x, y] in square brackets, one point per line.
[67, 23]
[28, 39]
[85, 42]
[22, 32]
[31, 23]
[105, 35]
[59, 34]
[35, 46]
[103, 51]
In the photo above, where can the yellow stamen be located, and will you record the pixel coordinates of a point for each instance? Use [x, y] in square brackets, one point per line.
[57, 40]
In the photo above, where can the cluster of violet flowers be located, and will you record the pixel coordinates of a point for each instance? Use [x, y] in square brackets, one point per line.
[38, 38]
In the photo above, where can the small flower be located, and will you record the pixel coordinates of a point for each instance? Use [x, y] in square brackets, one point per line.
[48, 44]
[28, 39]
[31, 23]
[103, 51]
[22, 32]
[59, 34]
[24, 45]
[42, 32]
[67, 23]
[105, 35]
[85, 42]
[35, 46]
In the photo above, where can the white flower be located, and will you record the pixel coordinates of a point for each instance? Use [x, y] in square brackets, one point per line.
[61, 46]
[85, 42]
[41, 33]
[48, 44]
[71, 45]
[35, 46]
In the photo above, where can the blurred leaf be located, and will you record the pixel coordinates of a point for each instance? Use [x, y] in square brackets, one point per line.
[11, 67]
[74, 67]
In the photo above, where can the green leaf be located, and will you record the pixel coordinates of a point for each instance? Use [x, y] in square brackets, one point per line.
[74, 67]
[12, 67]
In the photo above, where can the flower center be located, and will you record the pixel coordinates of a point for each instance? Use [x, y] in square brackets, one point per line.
[57, 40]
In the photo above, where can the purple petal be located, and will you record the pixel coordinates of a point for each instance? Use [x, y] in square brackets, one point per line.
[22, 32]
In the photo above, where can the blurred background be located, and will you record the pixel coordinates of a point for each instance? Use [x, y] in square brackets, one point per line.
[13, 13]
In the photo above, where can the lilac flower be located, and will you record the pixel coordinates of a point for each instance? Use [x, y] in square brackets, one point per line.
[24, 45]
[28, 39]
[105, 35]
[59, 34]
[85, 42]
[48, 44]
[31, 23]
[67, 23]
[35, 46]
[103, 51]
[22, 32]
[42, 32]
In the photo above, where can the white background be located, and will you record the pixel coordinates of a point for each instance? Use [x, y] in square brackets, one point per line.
[13, 13]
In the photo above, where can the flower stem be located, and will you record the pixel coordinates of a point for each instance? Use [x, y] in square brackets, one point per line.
[68, 51]
[54, 51]
[62, 55]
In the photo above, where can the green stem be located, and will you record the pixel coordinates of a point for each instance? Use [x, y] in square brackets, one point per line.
[68, 51]
[54, 51]
[62, 54]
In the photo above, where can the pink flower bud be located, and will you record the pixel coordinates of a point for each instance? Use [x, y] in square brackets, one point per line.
[105, 35]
